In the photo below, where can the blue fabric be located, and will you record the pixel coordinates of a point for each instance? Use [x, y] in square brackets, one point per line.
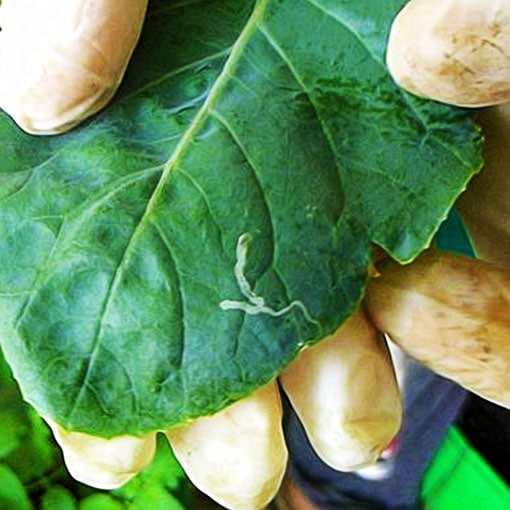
[431, 404]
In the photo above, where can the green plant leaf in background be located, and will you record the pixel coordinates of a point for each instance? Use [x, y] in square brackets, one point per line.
[12, 492]
[159, 486]
[58, 498]
[177, 251]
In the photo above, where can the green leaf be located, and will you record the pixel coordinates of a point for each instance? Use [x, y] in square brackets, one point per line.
[25, 442]
[177, 251]
[36, 455]
[100, 502]
[156, 498]
[12, 492]
[12, 431]
[58, 498]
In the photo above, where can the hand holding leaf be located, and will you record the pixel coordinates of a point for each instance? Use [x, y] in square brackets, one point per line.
[212, 225]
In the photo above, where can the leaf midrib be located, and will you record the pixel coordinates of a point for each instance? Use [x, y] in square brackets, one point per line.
[236, 53]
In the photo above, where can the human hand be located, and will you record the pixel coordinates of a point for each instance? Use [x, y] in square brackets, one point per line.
[266, 455]
[458, 56]
[343, 389]
[70, 68]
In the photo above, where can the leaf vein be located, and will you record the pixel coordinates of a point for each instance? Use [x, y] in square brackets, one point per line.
[206, 201]
[176, 72]
[175, 271]
[429, 132]
[251, 165]
[325, 129]
[182, 146]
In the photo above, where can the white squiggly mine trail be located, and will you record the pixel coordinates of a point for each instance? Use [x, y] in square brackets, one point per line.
[256, 304]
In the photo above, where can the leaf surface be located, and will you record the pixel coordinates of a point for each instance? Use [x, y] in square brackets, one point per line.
[177, 251]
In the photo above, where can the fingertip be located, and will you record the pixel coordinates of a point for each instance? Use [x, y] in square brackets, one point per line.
[100, 462]
[238, 456]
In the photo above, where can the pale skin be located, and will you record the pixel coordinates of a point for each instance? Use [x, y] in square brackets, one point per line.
[455, 52]
[332, 377]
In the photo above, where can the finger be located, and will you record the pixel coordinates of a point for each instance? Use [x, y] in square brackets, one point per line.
[237, 456]
[453, 51]
[452, 314]
[345, 393]
[62, 60]
[485, 206]
[103, 463]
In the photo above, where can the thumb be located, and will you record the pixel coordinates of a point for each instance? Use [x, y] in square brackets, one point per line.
[62, 60]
